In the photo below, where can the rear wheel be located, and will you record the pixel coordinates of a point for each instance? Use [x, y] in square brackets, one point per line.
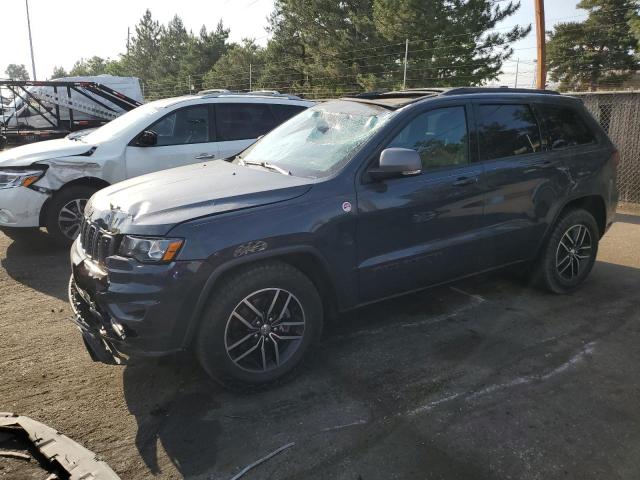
[64, 213]
[570, 252]
[259, 325]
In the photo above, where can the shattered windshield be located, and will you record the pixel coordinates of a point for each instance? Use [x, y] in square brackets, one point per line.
[320, 140]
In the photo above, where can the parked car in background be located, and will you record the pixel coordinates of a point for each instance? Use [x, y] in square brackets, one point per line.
[348, 203]
[47, 184]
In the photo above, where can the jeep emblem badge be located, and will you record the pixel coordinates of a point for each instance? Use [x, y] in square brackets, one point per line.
[346, 206]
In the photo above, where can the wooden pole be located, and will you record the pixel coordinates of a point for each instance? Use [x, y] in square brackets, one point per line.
[541, 71]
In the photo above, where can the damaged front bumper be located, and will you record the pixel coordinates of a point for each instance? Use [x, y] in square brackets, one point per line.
[127, 310]
[90, 322]
[20, 207]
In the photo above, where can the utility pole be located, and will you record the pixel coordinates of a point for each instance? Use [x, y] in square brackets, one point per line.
[541, 71]
[250, 78]
[406, 54]
[33, 62]
[517, 71]
[128, 39]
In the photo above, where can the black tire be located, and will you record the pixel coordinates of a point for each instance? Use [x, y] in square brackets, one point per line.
[556, 274]
[80, 193]
[217, 322]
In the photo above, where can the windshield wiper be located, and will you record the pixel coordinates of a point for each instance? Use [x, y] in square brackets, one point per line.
[267, 165]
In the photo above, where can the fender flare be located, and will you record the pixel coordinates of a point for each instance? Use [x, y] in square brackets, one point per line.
[214, 276]
[558, 213]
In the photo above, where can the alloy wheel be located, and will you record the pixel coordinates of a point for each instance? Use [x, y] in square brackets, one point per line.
[70, 217]
[264, 330]
[574, 252]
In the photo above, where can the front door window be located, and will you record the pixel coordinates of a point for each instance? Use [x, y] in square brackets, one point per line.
[184, 126]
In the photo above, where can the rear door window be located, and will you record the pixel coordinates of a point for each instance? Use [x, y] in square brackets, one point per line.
[285, 112]
[507, 130]
[564, 127]
[243, 121]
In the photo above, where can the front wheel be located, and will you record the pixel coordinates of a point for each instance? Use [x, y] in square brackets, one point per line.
[570, 252]
[65, 212]
[259, 325]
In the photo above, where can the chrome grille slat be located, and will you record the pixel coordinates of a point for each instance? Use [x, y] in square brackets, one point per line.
[95, 245]
[95, 242]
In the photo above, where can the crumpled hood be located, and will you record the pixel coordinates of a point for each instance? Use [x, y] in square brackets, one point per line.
[152, 204]
[25, 155]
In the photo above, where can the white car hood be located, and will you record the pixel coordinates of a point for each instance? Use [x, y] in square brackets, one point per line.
[25, 155]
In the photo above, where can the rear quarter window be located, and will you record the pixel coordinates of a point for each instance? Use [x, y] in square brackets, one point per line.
[564, 126]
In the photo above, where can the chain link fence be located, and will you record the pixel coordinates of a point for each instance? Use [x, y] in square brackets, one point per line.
[619, 115]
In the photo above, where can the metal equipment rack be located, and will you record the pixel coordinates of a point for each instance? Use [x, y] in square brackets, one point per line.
[46, 105]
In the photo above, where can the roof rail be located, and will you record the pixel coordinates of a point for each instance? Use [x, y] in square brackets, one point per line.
[471, 90]
[265, 92]
[412, 93]
[209, 91]
[423, 92]
[214, 92]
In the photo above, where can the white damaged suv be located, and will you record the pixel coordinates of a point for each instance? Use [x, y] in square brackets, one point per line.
[47, 184]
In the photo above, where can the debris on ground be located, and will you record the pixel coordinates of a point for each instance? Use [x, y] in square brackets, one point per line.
[63, 455]
[262, 460]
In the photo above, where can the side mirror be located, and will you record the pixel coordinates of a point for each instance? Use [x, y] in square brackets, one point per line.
[148, 138]
[397, 162]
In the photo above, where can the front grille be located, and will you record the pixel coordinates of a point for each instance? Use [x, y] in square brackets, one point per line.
[95, 242]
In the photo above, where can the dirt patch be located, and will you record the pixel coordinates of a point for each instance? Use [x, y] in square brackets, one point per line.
[491, 379]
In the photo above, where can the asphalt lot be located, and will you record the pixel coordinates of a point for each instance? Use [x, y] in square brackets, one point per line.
[485, 379]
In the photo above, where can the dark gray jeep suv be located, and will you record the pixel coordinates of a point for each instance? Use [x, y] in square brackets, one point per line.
[350, 202]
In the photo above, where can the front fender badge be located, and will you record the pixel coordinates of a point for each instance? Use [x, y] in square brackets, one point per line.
[346, 206]
[251, 247]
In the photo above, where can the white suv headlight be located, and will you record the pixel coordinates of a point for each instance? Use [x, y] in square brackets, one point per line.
[19, 177]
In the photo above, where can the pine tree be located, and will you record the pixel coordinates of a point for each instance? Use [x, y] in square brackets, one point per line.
[16, 72]
[333, 47]
[233, 70]
[313, 45]
[59, 72]
[142, 58]
[596, 53]
[92, 66]
[450, 43]
[203, 53]
[173, 45]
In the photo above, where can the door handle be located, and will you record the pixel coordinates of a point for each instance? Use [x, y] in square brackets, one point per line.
[464, 181]
[204, 156]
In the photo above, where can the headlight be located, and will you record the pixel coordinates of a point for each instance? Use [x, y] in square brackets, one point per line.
[149, 249]
[19, 177]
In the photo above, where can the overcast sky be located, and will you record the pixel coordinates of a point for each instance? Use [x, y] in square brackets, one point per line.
[64, 32]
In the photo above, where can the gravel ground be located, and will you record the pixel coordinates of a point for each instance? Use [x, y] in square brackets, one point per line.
[485, 379]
